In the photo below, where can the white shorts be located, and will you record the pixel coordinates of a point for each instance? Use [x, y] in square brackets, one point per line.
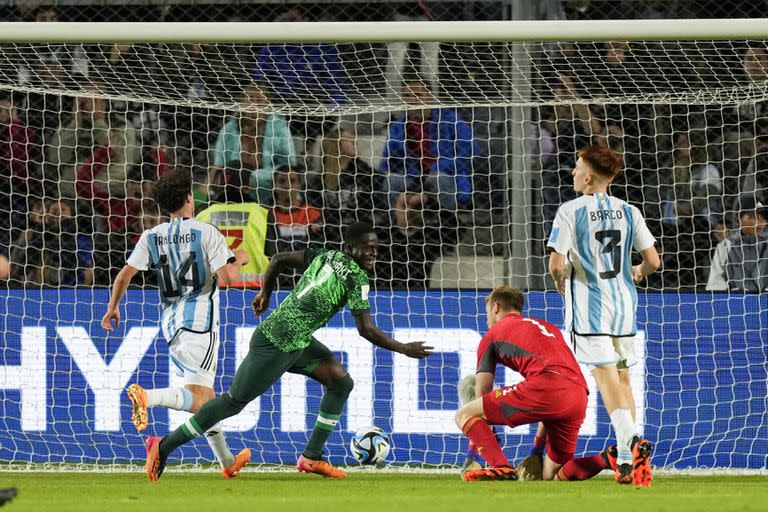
[604, 350]
[194, 356]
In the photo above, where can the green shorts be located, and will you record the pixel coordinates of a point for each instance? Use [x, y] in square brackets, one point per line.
[265, 363]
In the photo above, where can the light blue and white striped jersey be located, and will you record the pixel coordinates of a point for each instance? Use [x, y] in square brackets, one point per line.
[597, 234]
[186, 254]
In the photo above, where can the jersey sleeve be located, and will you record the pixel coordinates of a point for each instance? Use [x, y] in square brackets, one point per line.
[561, 236]
[643, 237]
[716, 280]
[486, 356]
[358, 288]
[219, 253]
[140, 257]
[312, 252]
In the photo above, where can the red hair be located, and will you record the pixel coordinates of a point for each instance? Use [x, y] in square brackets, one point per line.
[604, 161]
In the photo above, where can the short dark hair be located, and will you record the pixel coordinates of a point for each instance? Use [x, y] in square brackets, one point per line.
[604, 161]
[750, 206]
[171, 190]
[356, 231]
[508, 297]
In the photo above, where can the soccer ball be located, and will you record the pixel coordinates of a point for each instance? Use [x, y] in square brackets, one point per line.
[370, 445]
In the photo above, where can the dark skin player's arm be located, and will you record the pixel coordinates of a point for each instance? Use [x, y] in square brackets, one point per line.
[279, 263]
[368, 330]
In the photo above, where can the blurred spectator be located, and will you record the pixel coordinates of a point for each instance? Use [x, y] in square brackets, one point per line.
[42, 112]
[694, 185]
[406, 256]
[740, 262]
[407, 58]
[660, 10]
[755, 63]
[189, 72]
[254, 142]
[342, 186]
[618, 72]
[427, 169]
[760, 176]
[691, 207]
[150, 216]
[303, 73]
[561, 130]
[117, 214]
[292, 221]
[429, 152]
[91, 128]
[51, 252]
[53, 64]
[740, 173]
[204, 190]
[580, 10]
[47, 66]
[18, 176]
[753, 116]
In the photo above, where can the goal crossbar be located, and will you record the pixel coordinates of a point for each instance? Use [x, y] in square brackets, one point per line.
[347, 32]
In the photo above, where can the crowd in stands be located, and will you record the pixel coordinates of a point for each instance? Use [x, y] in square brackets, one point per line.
[76, 172]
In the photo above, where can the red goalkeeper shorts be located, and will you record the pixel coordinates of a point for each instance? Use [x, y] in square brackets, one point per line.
[556, 401]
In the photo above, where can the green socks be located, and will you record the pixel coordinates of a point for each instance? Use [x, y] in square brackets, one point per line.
[330, 411]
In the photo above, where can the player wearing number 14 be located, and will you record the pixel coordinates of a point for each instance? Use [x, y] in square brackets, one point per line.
[190, 258]
[596, 234]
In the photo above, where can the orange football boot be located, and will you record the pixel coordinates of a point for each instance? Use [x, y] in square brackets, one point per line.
[491, 474]
[138, 398]
[641, 462]
[241, 460]
[319, 467]
[155, 463]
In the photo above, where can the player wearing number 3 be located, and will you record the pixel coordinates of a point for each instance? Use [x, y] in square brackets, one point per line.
[190, 258]
[284, 342]
[592, 241]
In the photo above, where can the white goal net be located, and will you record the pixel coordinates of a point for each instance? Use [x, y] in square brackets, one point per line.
[458, 152]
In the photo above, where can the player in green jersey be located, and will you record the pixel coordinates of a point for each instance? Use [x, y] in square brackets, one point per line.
[283, 342]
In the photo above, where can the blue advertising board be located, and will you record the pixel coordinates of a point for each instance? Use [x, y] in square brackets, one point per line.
[701, 386]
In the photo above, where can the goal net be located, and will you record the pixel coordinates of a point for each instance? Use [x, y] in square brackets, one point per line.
[457, 147]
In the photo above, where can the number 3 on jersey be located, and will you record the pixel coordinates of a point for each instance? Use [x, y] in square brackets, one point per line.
[610, 239]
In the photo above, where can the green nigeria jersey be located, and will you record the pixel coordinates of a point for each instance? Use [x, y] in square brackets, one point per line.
[331, 280]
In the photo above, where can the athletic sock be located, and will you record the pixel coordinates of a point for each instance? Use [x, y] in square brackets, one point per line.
[218, 444]
[173, 398]
[324, 425]
[539, 444]
[330, 411]
[625, 429]
[211, 413]
[583, 468]
[479, 432]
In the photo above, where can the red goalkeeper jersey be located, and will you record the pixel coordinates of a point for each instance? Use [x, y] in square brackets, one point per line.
[529, 346]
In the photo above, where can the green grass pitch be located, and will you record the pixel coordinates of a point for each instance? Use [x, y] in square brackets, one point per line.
[366, 492]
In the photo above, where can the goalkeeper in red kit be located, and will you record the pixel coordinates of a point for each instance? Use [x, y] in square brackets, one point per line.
[554, 393]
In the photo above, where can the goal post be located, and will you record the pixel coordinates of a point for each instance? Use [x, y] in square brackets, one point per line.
[457, 148]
